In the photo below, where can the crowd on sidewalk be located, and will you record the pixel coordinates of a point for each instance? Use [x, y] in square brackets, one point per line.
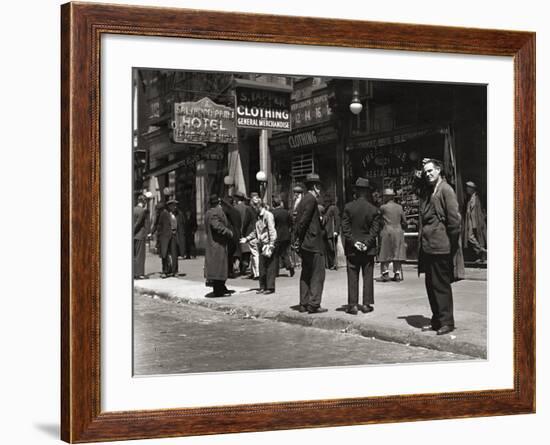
[245, 236]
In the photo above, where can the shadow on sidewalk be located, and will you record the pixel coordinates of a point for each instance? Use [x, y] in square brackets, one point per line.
[416, 321]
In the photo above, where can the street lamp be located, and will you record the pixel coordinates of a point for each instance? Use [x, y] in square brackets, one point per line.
[228, 182]
[355, 106]
[261, 177]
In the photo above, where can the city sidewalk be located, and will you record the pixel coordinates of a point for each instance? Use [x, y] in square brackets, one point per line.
[401, 308]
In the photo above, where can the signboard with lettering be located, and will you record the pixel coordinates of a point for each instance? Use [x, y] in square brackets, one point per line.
[310, 111]
[203, 121]
[299, 139]
[262, 109]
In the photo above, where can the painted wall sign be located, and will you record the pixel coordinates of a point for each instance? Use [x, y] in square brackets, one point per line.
[203, 121]
[310, 111]
[262, 109]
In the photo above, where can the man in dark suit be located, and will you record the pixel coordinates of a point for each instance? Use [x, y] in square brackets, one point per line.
[309, 240]
[439, 244]
[248, 221]
[283, 222]
[141, 228]
[360, 227]
[332, 227]
[233, 248]
[167, 229]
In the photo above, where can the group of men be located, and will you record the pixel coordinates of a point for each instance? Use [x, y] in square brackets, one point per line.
[175, 233]
[361, 225]
[246, 235]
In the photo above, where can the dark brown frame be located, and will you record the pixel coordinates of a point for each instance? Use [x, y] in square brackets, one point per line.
[81, 28]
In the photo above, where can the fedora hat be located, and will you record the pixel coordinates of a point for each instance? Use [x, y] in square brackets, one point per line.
[172, 201]
[362, 183]
[471, 184]
[312, 178]
[298, 189]
[214, 199]
[388, 192]
[239, 195]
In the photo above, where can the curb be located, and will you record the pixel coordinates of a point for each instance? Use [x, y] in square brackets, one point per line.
[374, 330]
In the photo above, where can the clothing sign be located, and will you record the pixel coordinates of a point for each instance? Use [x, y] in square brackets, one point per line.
[262, 109]
[299, 139]
[203, 121]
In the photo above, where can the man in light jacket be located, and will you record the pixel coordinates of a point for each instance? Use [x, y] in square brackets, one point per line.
[265, 235]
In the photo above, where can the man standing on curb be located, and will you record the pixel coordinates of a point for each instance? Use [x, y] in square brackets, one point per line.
[360, 227]
[439, 240]
[310, 244]
[218, 236]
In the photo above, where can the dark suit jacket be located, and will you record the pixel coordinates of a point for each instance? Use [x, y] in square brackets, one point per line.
[283, 221]
[141, 222]
[360, 222]
[164, 233]
[332, 221]
[309, 231]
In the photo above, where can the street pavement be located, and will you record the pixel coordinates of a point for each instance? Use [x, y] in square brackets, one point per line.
[401, 308]
[176, 338]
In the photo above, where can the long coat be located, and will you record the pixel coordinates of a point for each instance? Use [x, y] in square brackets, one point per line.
[474, 222]
[392, 237]
[218, 235]
[439, 228]
[360, 222]
[141, 223]
[332, 221]
[248, 219]
[308, 230]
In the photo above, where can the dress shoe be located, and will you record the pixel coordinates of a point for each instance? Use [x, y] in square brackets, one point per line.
[302, 308]
[427, 328]
[260, 291]
[163, 275]
[445, 330]
[366, 308]
[269, 291]
[351, 310]
[316, 310]
[397, 277]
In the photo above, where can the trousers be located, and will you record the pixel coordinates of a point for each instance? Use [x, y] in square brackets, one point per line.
[360, 264]
[438, 278]
[268, 271]
[312, 279]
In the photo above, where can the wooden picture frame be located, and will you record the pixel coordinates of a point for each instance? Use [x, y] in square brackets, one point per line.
[82, 26]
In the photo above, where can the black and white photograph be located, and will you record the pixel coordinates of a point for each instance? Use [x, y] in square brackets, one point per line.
[284, 221]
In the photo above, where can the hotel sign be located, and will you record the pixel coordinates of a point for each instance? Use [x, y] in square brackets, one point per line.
[262, 109]
[203, 121]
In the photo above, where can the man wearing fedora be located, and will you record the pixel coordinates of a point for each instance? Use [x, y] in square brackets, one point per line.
[167, 230]
[392, 237]
[475, 227]
[310, 245]
[218, 236]
[360, 228]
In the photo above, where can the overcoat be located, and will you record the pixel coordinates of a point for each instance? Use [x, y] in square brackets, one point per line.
[474, 222]
[440, 227]
[392, 237]
[332, 221]
[218, 235]
[141, 222]
[360, 222]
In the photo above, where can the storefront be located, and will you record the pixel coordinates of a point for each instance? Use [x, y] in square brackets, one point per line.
[391, 160]
[301, 152]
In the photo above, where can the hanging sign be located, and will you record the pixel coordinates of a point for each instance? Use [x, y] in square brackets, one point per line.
[203, 121]
[262, 109]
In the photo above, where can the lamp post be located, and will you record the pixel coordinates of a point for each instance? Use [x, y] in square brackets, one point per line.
[228, 181]
[261, 177]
